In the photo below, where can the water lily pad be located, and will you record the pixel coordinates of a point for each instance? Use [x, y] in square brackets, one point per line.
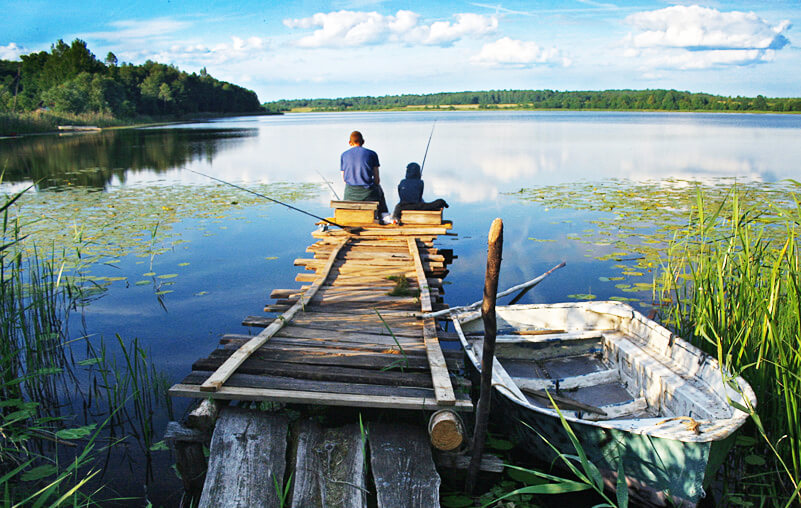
[582, 296]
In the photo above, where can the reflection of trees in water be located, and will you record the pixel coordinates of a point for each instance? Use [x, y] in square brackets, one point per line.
[92, 160]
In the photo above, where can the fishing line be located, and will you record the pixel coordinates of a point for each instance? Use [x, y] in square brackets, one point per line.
[427, 145]
[273, 200]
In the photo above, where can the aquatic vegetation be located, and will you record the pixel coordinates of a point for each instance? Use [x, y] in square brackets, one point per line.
[87, 229]
[50, 454]
[633, 223]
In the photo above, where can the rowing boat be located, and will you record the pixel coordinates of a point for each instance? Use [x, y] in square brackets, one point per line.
[626, 386]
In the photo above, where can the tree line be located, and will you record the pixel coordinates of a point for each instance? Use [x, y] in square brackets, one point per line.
[70, 79]
[661, 100]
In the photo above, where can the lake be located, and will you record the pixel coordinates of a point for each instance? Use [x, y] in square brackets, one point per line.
[177, 259]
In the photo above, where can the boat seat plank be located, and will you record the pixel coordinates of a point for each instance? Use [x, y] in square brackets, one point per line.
[570, 382]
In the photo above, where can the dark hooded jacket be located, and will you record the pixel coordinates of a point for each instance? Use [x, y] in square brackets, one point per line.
[410, 189]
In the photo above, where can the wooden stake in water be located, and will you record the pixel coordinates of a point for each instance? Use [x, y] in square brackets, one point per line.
[494, 254]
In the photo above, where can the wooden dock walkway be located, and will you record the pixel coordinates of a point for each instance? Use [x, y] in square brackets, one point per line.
[344, 339]
[353, 334]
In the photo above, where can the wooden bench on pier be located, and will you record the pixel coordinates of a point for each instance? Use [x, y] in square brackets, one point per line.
[354, 212]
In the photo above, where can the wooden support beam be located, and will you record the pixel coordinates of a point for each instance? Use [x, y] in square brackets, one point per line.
[494, 256]
[216, 380]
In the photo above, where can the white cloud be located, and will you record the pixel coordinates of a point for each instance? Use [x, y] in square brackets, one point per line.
[354, 28]
[515, 53]
[11, 51]
[238, 49]
[695, 37]
[134, 29]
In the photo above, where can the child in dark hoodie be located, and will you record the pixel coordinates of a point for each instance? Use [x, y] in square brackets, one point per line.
[410, 192]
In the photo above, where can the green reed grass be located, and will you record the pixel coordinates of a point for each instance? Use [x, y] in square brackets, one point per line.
[731, 283]
[46, 457]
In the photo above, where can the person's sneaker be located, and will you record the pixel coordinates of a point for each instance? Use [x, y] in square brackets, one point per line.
[386, 218]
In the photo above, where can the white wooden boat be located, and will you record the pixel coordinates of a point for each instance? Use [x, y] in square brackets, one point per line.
[626, 385]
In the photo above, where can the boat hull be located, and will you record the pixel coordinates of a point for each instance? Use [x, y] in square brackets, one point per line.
[672, 436]
[661, 470]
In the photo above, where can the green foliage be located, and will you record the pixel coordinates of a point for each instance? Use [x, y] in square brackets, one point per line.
[71, 80]
[665, 100]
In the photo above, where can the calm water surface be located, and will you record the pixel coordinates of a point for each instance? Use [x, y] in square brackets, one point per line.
[227, 266]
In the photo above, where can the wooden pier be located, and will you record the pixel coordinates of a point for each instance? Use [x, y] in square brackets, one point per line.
[353, 334]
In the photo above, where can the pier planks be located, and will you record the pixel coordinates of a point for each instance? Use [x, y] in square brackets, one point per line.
[344, 339]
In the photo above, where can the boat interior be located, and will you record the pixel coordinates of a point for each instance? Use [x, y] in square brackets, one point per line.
[601, 363]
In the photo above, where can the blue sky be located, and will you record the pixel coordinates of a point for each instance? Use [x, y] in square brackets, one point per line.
[344, 48]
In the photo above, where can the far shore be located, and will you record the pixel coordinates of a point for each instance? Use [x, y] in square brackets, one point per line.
[516, 107]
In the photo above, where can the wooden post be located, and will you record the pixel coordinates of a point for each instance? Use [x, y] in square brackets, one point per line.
[494, 254]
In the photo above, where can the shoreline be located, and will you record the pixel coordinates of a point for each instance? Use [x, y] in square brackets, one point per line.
[29, 121]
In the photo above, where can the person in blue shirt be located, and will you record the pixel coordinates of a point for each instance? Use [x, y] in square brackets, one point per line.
[359, 167]
[410, 192]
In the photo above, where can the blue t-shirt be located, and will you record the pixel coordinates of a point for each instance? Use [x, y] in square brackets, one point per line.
[357, 164]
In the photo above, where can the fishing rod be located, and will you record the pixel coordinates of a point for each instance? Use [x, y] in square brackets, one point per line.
[328, 184]
[427, 145]
[346, 228]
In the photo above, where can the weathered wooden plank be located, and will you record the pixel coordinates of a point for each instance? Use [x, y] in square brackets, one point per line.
[392, 231]
[247, 455]
[393, 398]
[489, 463]
[355, 358]
[368, 261]
[217, 379]
[403, 469]
[439, 370]
[384, 339]
[329, 467]
[330, 321]
[342, 373]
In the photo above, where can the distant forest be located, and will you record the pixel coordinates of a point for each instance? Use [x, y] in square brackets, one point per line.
[660, 100]
[70, 79]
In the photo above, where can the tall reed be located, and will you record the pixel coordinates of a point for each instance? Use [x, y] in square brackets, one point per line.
[731, 282]
[46, 456]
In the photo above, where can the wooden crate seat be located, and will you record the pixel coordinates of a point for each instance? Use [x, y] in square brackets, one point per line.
[421, 217]
[354, 212]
